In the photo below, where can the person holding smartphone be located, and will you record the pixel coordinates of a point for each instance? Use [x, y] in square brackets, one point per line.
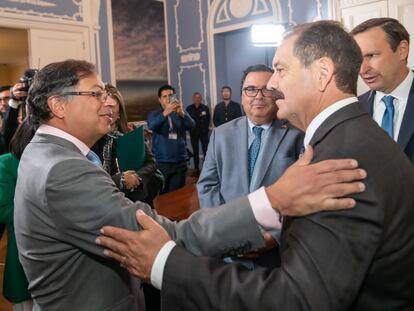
[169, 124]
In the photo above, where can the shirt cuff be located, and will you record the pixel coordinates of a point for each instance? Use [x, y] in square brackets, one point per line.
[266, 216]
[157, 271]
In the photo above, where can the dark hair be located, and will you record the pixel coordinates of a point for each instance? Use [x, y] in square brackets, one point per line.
[197, 93]
[115, 94]
[329, 39]
[226, 87]
[55, 79]
[21, 138]
[5, 88]
[255, 68]
[165, 87]
[393, 29]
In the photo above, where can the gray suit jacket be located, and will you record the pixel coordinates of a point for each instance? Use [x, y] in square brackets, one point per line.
[62, 200]
[357, 259]
[225, 176]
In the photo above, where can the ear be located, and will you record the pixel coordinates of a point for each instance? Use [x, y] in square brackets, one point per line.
[324, 72]
[403, 49]
[57, 106]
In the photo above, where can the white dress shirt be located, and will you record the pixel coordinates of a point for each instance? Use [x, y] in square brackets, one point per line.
[54, 131]
[400, 94]
[265, 215]
[323, 115]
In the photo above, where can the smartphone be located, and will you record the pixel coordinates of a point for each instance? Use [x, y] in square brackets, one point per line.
[173, 98]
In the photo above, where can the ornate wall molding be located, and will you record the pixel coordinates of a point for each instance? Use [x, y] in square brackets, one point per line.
[351, 3]
[220, 19]
[22, 8]
[179, 44]
[185, 69]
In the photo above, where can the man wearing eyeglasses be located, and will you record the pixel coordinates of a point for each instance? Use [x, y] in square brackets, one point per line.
[63, 197]
[249, 152]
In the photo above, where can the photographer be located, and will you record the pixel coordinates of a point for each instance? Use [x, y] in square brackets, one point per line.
[17, 106]
[169, 124]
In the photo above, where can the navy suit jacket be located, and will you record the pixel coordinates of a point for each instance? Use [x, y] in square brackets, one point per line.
[406, 135]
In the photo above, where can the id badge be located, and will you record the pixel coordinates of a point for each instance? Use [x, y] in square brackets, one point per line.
[203, 113]
[172, 135]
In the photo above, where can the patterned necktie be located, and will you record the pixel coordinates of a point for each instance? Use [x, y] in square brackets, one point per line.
[388, 119]
[254, 148]
[93, 157]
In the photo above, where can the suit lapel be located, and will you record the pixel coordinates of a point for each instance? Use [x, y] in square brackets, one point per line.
[240, 144]
[275, 137]
[348, 112]
[367, 101]
[407, 125]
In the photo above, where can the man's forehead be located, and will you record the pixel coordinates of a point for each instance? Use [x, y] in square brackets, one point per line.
[257, 78]
[166, 93]
[91, 81]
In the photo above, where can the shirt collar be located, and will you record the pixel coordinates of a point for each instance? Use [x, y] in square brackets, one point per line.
[264, 126]
[323, 115]
[54, 131]
[401, 92]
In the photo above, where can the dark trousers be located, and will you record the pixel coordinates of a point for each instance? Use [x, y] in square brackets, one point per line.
[174, 174]
[195, 138]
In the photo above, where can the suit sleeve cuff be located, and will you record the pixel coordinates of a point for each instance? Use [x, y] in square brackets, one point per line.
[157, 271]
[266, 216]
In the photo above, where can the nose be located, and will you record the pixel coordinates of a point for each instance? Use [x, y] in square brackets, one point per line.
[365, 66]
[272, 84]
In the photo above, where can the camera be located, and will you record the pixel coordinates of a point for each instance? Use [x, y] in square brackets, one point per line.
[27, 79]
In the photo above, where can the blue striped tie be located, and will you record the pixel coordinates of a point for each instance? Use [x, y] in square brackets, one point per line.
[93, 157]
[388, 119]
[254, 148]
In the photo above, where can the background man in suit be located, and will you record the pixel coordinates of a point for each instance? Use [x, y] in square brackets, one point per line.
[226, 173]
[358, 259]
[63, 197]
[239, 162]
[226, 110]
[384, 43]
[169, 124]
[200, 113]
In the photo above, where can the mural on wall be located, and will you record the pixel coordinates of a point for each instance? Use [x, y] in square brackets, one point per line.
[140, 53]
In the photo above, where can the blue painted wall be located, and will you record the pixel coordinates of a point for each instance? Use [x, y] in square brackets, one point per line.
[194, 61]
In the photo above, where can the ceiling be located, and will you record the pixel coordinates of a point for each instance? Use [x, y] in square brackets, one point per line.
[13, 46]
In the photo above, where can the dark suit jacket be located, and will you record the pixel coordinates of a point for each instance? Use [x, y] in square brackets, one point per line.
[406, 135]
[357, 259]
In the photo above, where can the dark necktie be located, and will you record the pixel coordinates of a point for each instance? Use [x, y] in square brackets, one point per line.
[93, 157]
[388, 119]
[254, 148]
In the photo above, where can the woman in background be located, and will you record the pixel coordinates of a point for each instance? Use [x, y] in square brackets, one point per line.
[142, 185]
[14, 283]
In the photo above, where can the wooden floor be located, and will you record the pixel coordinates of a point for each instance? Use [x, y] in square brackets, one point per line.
[6, 306]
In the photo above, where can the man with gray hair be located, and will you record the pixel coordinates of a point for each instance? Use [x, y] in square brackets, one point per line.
[354, 259]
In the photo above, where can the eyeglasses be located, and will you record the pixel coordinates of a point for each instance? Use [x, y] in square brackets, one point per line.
[99, 95]
[6, 98]
[253, 91]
